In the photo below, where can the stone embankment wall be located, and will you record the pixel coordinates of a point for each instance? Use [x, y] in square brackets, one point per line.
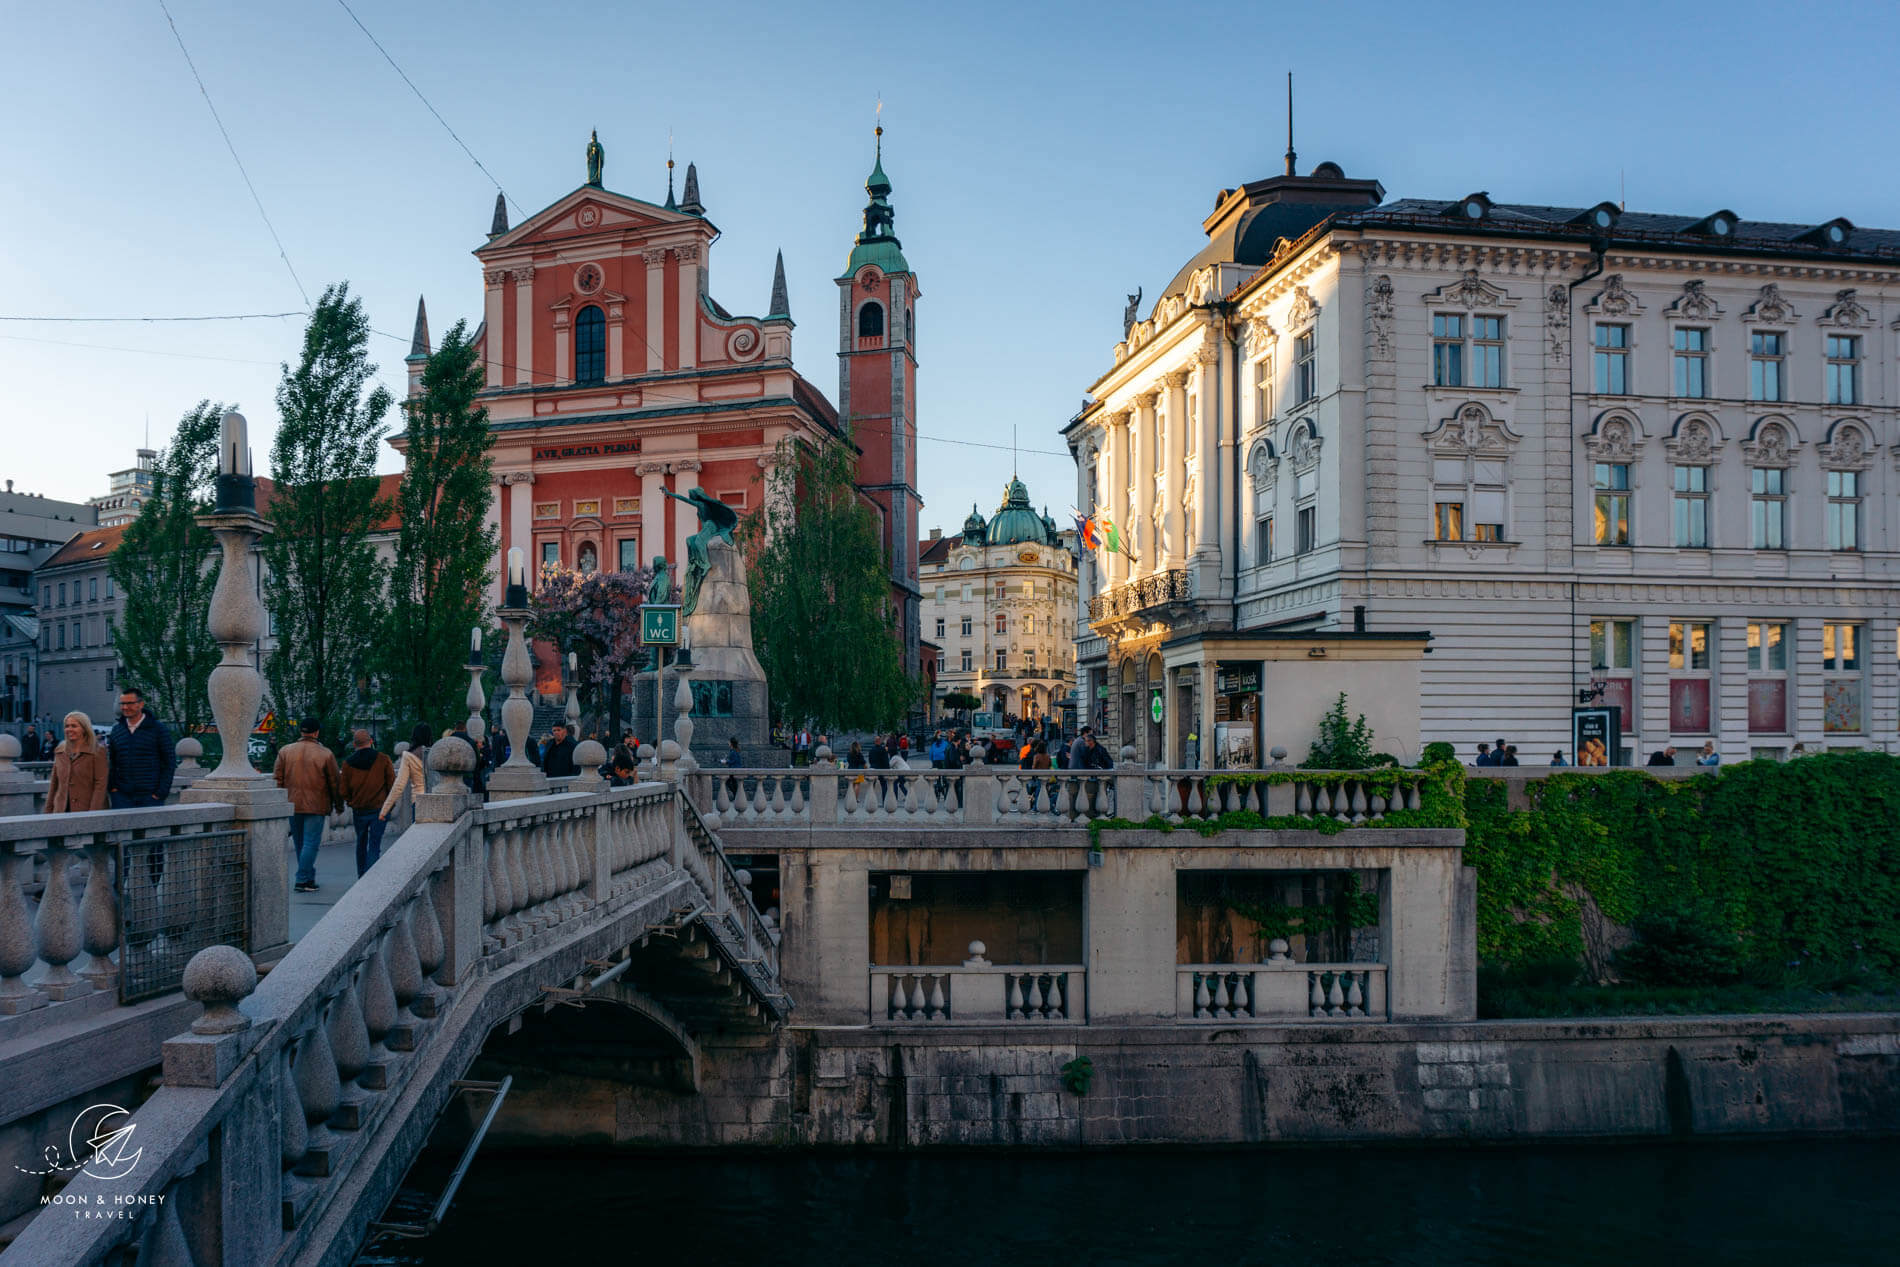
[1492, 1081]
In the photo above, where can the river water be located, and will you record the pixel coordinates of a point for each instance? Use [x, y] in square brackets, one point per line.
[1790, 1204]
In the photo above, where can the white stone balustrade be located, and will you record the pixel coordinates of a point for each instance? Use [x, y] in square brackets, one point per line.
[984, 994]
[1281, 991]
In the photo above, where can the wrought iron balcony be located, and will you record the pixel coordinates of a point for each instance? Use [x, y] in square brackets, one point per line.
[1156, 590]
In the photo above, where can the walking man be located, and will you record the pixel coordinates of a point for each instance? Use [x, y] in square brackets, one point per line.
[366, 779]
[558, 761]
[307, 771]
[142, 758]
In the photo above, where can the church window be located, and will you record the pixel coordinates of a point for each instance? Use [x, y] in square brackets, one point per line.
[871, 321]
[629, 554]
[590, 345]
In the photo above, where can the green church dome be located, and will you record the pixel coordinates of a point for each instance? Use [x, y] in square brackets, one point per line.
[1016, 521]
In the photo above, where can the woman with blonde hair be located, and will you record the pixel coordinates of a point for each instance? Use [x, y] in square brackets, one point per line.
[79, 770]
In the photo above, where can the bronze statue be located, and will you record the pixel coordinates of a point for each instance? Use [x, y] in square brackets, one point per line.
[596, 159]
[1129, 314]
[716, 522]
[660, 588]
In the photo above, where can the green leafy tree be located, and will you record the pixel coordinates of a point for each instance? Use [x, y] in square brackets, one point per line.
[325, 584]
[165, 569]
[1342, 743]
[444, 547]
[822, 622]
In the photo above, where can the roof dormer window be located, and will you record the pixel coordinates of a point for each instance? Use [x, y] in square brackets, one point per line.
[1601, 217]
[1473, 207]
[1719, 225]
[1835, 233]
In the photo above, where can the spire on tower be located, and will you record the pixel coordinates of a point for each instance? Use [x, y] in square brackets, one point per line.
[781, 305]
[690, 204]
[1291, 157]
[419, 342]
[670, 204]
[499, 225]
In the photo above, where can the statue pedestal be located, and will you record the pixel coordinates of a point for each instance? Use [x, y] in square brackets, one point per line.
[728, 684]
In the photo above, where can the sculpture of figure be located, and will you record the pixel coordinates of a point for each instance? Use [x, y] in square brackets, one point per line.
[596, 159]
[716, 522]
[660, 588]
[1128, 313]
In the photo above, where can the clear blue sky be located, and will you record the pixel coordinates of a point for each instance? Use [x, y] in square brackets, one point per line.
[1047, 160]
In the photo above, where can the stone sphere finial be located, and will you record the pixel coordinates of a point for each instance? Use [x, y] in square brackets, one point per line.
[452, 759]
[590, 756]
[645, 754]
[821, 755]
[1128, 754]
[1278, 754]
[188, 750]
[220, 977]
[744, 877]
[976, 959]
[9, 751]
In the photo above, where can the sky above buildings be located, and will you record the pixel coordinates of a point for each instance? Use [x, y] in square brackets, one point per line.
[1047, 160]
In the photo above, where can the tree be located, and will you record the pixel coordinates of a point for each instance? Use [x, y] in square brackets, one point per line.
[822, 621]
[165, 569]
[1342, 744]
[444, 546]
[595, 615]
[325, 583]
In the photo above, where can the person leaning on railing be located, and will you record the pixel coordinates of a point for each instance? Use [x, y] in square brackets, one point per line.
[412, 775]
[80, 768]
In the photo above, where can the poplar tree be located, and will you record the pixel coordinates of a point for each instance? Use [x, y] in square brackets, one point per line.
[165, 569]
[444, 546]
[823, 625]
[324, 584]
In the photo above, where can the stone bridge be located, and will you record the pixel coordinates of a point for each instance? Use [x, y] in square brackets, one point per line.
[291, 1110]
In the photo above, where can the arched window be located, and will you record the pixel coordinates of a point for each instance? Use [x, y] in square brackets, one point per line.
[871, 321]
[590, 345]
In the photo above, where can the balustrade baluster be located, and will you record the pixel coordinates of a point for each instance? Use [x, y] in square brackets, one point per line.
[1376, 808]
[1358, 801]
[1062, 995]
[1203, 1000]
[99, 917]
[796, 801]
[57, 929]
[1355, 994]
[499, 889]
[379, 1009]
[1335, 997]
[1196, 803]
[1315, 996]
[939, 1009]
[415, 952]
[320, 1092]
[17, 952]
[1014, 1008]
[518, 886]
[1411, 795]
[349, 1036]
[296, 1130]
[1302, 801]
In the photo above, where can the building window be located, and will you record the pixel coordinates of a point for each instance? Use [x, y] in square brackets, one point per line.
[1612, 481]
[1448, 350]
[92, 589]
[1843, 369]
[967, 666]
[966, 626]
[1765, 350]
[1610, 363]
[1768, 507]
[1002, 590]
[1305, 369]
[1468, 499]
[1613, 662]
[1688, 678]
[1692, 506]
[1692, 363]
[1029, 624]
[108, 585]
[940, 626]
[871, 321]
[550, 554]
[1002, 659]
[1002, 623]
[590, 345]
[1767, 679]
[1306, 514]
[1487, 351]
[46, 596]
[1843, 510]
[1029, 658]
[1841, 679]
[108, 631]
[1263, 541]
[62, 593]
[629, 549]
[62, 637]
[1262, 389]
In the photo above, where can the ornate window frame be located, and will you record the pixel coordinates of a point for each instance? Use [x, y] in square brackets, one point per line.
[1469, 434]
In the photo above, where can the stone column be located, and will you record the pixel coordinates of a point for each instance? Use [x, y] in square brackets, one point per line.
[1142, 463]
[524, 326]
[1121, 437]
[651, 347]
[1173, 463]
[688, 257]
[491, 317]
[236, 689]
[518, 776]
[520, 521]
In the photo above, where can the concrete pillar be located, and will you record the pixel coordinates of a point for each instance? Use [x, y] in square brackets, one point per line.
[1131, 952]
[1173, 461]
[1143, 462]
[825, 958]
[524, 326]
[1120, 433]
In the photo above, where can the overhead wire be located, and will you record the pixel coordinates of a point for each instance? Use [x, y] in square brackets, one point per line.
[108, 347]
[263, 214]
[429, 107]
[235, 316]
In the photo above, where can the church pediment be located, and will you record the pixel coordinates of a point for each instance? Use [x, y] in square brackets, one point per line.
[589, 210]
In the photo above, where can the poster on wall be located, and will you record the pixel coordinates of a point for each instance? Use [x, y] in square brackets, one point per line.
[1596, 735]
[1235, 750]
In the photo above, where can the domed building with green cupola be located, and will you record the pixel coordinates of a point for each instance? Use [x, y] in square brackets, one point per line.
[999, 600]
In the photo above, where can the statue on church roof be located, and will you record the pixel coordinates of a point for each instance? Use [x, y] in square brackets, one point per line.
[596, 159]
[1130, 313]
[716, 522]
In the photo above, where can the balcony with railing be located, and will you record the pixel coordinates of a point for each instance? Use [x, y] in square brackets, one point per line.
[1158, 589]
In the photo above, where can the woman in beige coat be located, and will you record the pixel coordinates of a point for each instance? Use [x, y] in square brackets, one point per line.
[412, 776]
[79, 770]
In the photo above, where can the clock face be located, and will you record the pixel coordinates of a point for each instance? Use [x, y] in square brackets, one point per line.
[588, 279]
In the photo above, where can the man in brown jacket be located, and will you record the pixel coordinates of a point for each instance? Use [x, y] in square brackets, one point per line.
[307, 771]
[366, 778]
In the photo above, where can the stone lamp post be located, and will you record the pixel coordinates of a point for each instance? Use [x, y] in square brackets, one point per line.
[574, 695]
[477, 702]
[517, 776]
[236, 689]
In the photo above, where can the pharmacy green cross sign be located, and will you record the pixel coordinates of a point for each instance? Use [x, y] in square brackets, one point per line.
[1154, 707]
[660, 624]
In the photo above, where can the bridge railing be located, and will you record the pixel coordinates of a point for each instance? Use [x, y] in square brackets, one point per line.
[1005, 796]
[136, 892]
[293, 1078]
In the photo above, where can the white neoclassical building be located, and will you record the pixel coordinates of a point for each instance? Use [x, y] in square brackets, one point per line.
[1000, 600]
[1648, 460]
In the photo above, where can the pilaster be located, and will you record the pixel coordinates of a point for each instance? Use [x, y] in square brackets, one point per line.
[688, 257]
[492, 307]
[655, 358]
[524, 325]
[1172, 467]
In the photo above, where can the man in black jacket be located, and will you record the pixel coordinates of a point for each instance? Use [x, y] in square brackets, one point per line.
[557, 762]
[142, 758]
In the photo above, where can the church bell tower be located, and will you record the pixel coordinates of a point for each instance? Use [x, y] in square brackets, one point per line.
[877, 389]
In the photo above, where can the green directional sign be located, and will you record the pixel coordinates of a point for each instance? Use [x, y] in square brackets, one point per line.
[660, 624]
